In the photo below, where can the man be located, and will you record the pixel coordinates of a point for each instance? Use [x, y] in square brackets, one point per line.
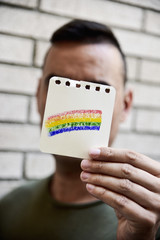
[76, 204]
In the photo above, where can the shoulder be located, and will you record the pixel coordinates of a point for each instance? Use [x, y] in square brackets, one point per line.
[23, 196]
[19, 193]
[19, 210]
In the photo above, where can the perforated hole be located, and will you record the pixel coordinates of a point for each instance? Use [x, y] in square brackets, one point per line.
[78, 85]
[97, 88]
[88, 87]
[58, 82]
[107, 90]
[68, 83]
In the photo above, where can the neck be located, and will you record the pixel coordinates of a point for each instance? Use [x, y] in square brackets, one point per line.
[66, 185]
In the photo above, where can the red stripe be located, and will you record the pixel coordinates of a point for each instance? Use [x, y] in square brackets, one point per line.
[73, 112]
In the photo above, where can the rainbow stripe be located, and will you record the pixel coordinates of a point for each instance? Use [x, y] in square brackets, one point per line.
[74, 121]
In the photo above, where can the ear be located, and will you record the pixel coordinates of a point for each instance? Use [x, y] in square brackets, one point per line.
[127, 104]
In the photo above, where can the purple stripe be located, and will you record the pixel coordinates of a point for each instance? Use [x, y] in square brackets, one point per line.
[70, 129]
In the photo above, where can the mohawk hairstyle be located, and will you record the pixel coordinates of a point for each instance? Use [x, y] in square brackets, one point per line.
[82, 31]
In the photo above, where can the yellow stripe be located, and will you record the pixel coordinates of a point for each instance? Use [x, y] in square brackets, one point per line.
[76, 115]
[52, 124]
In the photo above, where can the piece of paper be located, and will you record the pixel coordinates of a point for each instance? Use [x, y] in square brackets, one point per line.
[77, 117]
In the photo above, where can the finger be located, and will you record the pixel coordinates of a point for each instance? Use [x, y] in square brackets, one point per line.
[126, 156]
[123, 170]
[128, 208]
[133, 191]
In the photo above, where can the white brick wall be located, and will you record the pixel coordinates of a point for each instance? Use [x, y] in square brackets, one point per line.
[26, 27]
[128, 124]
[103, 11]
[16, 79]
[150, 71]
[25, 3]
[132, 68]
[33, 115]
[139, 44]
[41, 48]
[15, 108]
[16, 50]
[151, 123]
[19, 137]
[152, 23]
[11, 165]
[146, 95]
[143, 143]
[18, 23]
[153, 4]
[38, 165]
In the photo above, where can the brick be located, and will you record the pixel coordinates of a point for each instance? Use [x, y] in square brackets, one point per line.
[148, 121]
[39, 165]
[17, 79]
[11, 165]
[152, 22]
[25, 3]
[124, 16]
[19, 137]
[154, 4]
[34, 115]
[41, 49]
[131, 68]
[150, 71]
[42, 25]
[139, 44]
[16, 50]
[142, 143]
[14, 108]
[8, 186]
[127, 125]
[147, 96]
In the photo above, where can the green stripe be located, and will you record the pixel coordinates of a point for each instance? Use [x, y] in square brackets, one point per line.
[73, 124]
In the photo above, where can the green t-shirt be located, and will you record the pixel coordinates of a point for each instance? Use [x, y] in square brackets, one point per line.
[29, 213]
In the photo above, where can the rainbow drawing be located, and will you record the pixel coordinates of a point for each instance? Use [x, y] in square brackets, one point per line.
[74, 121]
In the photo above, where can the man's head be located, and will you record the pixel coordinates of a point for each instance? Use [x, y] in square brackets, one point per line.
[88, 51]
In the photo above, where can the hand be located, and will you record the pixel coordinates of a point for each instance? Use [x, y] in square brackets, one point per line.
[130, 183]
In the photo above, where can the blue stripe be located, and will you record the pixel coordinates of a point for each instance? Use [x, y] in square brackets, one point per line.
[70, 129]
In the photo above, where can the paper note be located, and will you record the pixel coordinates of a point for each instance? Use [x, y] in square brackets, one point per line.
[77, 117]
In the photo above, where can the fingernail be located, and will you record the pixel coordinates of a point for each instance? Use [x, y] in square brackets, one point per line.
[90, 187]
[84, 175]
[85, 163]
[95, 152]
